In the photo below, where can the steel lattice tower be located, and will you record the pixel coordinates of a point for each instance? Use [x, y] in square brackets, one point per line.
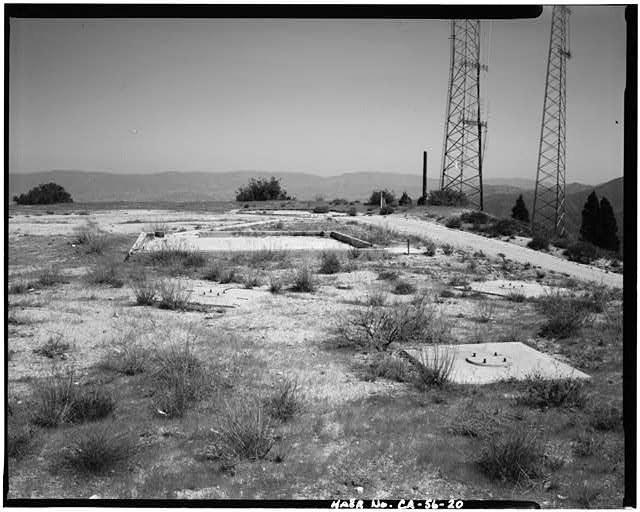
[549, 198]
[462, 154]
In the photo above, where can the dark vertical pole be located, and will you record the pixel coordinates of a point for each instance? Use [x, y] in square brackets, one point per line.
[424, 175]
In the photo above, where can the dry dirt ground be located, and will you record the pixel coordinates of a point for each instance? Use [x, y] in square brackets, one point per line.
[363, 429]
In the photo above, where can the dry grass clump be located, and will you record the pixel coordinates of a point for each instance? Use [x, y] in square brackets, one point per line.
[388, 275]
[275, 283]
[106, 272]
[228, 276]
[586, 443]
[179, 256]
[453, 222]
[58, 399]
[214, 272]
[429, 248]
[92, 238]
[50, 276]
[485, 309]
[566, 315]
[330, 263]
[22, 286]
[303, 280]
[435, 366]
[605, 418]
[251, 279]
[144, 290]
[514, 296]
[53, 347]
[97, 449]
[127, 355]
[179, 379]
[516, 454]
[404, 288]
[173, 295]
[53, 397]
[286, 401]
[377, 327]
[387, 366]
[447, 249]
[245, 432]
[19, 436]
[542, 392]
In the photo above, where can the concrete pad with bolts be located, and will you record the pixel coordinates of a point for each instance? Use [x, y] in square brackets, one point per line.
[484, 363]
[504, 287]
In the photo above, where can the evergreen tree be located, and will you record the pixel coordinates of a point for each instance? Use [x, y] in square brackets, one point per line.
[519, 211]
[608, 238]
[589, 231]
[405, 199]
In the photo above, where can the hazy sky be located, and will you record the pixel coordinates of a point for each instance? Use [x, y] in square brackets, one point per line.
[317, 96]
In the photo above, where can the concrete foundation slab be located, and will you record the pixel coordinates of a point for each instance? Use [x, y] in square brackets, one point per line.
[505, 287]
[483, 363]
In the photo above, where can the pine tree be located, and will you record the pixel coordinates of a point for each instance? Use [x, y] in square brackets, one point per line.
[590, 229]
[608, 238]
[519, 211]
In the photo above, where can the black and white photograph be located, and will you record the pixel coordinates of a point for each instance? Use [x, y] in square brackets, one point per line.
[332, 256]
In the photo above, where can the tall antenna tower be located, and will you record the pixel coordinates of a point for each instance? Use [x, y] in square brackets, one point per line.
[462, 154]
[549, 198]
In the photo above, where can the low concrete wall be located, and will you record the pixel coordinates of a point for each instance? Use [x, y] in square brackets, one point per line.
[351, 240]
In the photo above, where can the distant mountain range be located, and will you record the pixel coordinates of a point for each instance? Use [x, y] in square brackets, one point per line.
[499, 193]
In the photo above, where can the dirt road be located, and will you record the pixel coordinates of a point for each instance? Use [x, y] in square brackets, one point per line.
[491, 247]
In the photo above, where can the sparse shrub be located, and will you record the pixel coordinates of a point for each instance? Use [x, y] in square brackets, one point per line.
[565, 315]
[245, 432]
[435, 366]
[97, 449]
[562, 392]
[474, 422]
[19, 437]
[92, 238]
[354, 253]
[475, 217]
[173, 295]
[513, 455]
[605, 418]
[105, 272]
[128, 356]
[447, 197]
[485, 309]
[275, 284]
[388, 275]
[228, 276]
[376, 299]
[377, 327]
[386, 210]
[54, 396]
[447, 249]
[404, 288]
[21, 286]
[178, 256]
[387, 366]
[352, 211]
[429, 248]
[539, 243]
[503, 227]
[447, 294]
[458, 280]
[514, 296]
[582, 252]
[453, 222]
[585, 493]
[144, 290]
[330, 263]
[50, 276]
[179, 379]
[321, 208]
[303, 280]
[586, 444]
[91, 405]
[251, 279]
[214, 272]
[285, 402]
[53, 347]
